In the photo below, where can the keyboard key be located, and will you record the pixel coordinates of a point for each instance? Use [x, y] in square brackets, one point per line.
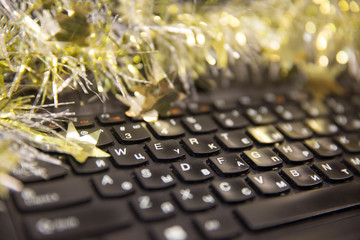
[338, 105]
[78, 222]
[165, 150]
[333, 170]
[294, 152]
[131, 133]
[192, 171]
[200, 146]
[231, 120]
[198, 108]
[261, 115]
[282, 210]
[42, 171]
[153, 207]
[315, 108]
[295, 130]
[82, 121]
[323, 147]
[91, 165]
[174, 112]
[302, 176]
[166, 128]
[351, 143]
[249, 101]
[289, 112]
[262, 158]
[129, 155]
[234, 140]
[200, 124]
[274, 98]
[110, 118]
[193, 199]
[348, 123]
[113, 185]
[52, 195]
[175, 231]
[266, 134]
[218, 225]
[322, 126]
[233, 190]
[268, 183]
[104, 139]
[155, 177]
[224, 105]
[228, 165]
[354, 163]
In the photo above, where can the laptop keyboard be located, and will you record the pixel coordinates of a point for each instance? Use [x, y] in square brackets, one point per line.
[209, 171]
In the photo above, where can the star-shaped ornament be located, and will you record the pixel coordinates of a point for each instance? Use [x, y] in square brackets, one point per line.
[82, 147]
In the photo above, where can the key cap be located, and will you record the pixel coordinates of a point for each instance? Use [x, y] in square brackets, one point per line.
[92, 165]
[41, 168]
[153, 207]
[78, 222]
[198, 108]
[104, 139]
[351, 143]
[289, 112]
[174, 231]
[131, 133]
[200, 124]
[174, 112]
[322, 126]
[192, 171]
[200, 146]
[315, 108]
[338, 105]
[82, 121]
[302, 176]
[166, 128]
[274, 98]
[262, 158]
[266, 134]
[218, 225]
[261, 115]
[268, 183]
[224, 105]
[192, 199]
[282, 210]
[354, 163]
[233, 190]
[294, 152]
[52, 195]
[348, 123]
[165, 150]
[234, 140]
[128, 155]
[295, 130]
[231, 120]
[323, 147]
[113, 185]
[155, 177]
[110, 118]
[333, 170]
[231, 164]
[248, 101]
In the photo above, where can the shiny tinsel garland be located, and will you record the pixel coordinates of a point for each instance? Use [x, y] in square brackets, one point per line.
[139, 50]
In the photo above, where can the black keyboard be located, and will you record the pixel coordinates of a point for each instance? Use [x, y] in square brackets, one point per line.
[239, 168]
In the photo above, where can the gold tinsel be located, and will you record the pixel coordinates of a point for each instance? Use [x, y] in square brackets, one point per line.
[140, 50]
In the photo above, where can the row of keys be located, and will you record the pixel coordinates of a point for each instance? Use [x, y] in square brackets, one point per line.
[212, 225]
[54, 195]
